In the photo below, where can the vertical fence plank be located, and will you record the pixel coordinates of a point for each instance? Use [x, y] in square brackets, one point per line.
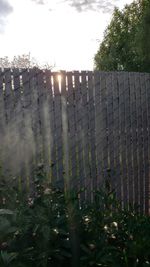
[147, 178]
[10, 128]
[33, 87]
[98, 133]
[28, 144]
[43, 96]
[19, 122]
[134, 137]
[65, 134]
[117, 169]
[104, 124]
[123, 138]
[139, 140]
[2, 123]
[110, 123]
[128, 138]
[2, 106]
[52, 130]
[72, 130]
[145, 138]
[92, 140]
[9, 104]
[58, 124]
[78, 111]
[85, 135]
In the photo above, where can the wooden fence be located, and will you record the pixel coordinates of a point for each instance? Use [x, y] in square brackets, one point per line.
[84, 127]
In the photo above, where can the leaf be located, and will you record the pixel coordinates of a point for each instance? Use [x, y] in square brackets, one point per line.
[65, 253]
[8, 257]
[63, 232]
[126, 41]
[85, 249]
[6, 212]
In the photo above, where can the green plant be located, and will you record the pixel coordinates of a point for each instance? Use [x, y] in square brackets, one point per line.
[126, 41]
[40, 236]
[39, 229]
[112, 236]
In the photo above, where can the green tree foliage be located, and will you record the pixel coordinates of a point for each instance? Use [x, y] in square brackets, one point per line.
[126, 43]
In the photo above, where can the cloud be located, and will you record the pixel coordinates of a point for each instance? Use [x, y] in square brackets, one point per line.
[39, 2]
[84, 5]
[5, 10]
[42, 3]
[106, 6]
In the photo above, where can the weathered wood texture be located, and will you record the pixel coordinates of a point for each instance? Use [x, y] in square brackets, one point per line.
[84, 127]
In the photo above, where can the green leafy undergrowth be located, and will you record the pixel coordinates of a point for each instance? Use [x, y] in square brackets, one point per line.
[36, 231]
[112, 236]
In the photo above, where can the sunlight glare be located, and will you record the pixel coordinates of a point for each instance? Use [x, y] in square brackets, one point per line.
[59, 78]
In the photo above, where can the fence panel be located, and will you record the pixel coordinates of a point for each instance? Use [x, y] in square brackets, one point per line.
[90, 126]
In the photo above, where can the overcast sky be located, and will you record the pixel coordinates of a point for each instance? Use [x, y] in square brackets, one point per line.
[66, 33]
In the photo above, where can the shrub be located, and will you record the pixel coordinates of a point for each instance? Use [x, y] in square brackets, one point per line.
[39, 230]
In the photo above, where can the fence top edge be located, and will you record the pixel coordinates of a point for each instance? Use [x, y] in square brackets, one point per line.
[73, 72]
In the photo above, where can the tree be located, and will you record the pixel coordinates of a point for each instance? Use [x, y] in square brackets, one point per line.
[21, 62]
[126, 43]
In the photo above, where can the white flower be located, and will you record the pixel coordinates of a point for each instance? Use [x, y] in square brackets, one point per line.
[47, 191]
[30, 201]
[106, 227]
[56, 231]
[115, 224]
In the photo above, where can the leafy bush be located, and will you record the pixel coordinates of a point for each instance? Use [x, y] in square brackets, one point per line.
[40, 237]
[114, 237]
[39, 230]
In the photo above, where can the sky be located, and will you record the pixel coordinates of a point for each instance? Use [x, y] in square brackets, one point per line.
[63, 33]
